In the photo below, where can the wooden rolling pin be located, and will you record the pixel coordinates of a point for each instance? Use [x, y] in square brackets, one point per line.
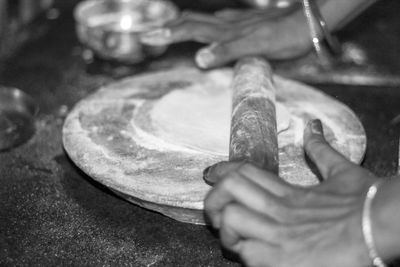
[253, 136]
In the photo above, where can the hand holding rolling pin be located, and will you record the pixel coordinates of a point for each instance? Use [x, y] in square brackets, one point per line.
[269, 222]
[339, 222]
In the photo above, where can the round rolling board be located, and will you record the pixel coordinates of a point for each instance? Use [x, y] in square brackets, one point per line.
[149, 138]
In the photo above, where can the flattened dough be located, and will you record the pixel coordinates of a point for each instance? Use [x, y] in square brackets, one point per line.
[199, 118]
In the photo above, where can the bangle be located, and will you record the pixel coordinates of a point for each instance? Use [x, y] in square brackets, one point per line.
[367, 226]
[325, 44]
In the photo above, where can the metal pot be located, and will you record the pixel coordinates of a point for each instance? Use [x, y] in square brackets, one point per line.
[111, 28]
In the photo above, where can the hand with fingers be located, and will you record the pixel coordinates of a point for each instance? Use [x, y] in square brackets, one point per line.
[232, 34]
[275, 32]
[269, 222]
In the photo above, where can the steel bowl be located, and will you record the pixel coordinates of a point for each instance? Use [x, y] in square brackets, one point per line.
[111, 28]
[271, 4]
[17, 117]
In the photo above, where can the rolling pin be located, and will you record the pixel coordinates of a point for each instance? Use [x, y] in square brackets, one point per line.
[253, 131]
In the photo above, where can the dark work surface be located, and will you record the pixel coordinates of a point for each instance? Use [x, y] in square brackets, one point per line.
[52, 214]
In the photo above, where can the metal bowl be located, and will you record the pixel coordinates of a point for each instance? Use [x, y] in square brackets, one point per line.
[111, 28]
[17, 112]
[271, 4]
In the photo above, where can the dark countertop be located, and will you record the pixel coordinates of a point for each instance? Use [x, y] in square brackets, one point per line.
[52, 214]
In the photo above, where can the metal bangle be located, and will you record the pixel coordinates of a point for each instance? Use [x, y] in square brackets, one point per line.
[367, 226]
[319, 32]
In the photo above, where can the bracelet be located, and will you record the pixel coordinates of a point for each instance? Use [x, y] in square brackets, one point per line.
[367, 226]
[320, 34]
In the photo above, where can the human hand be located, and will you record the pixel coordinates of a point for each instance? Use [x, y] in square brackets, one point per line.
[269, 222]
[233, 34]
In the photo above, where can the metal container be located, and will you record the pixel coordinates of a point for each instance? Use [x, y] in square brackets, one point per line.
[17, 117]
[111, 28]
[270, 4]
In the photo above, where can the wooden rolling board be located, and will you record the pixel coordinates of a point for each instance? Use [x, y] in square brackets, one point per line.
[126, 137]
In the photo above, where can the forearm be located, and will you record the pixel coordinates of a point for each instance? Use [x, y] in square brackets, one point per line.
[385, 217]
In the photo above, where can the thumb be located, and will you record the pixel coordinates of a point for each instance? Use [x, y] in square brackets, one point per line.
[328, 161]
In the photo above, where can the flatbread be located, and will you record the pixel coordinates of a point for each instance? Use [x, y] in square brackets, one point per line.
[199, 117]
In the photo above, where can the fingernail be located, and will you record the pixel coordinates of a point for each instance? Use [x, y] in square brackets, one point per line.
[205, 57]
[206, 174]
[160, 36]
[316, 127]
[210, 180]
